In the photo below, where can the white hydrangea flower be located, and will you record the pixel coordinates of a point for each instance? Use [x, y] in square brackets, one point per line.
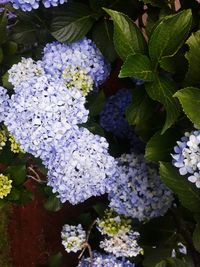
[124, 244]
[25, 70]
[73, 237]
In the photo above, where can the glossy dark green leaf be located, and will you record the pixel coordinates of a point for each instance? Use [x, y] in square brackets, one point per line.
[141, 108]
[190, 100]
[128, 38]
[72, 24]
[102, 35]
[192, 76]
[187, 193]
[169, 35]
[162, 90]
[137, 66]
[160, 145]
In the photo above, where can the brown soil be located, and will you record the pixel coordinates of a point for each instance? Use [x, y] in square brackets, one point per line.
[35, 232]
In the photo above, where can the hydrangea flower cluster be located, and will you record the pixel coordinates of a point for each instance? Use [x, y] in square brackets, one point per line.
[187, 156]
[45, 111]
[82, 55]
[28, 5]
[24, 71]
[5, 186]
[123, 244]
[3, 103]
[112, 223]
[73, 237]
[41, 112]
[81, 169]
[119, 239]
[139, 192]
[104, 260]
[112, 117]
[3, 139]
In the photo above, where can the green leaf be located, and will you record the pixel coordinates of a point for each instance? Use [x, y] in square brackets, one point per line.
[102, 35]
[14, 195]
[24, 33]
[100, 208]
[187, 193]
[73, 24]
[162, 90]
[169, 35]
[192, 76]
[53, 204]
[174, 262]
[140, 109]
[55, 260]
[10, 48]
[3, 24]
[5, 81]
[155, 255]
[128, 39]
[161, 264]
[158, 231]
[160, 146]
[137, 66]
[95, 103]
[190, 100]
[196, 237]
[17, 173]
[1, 54]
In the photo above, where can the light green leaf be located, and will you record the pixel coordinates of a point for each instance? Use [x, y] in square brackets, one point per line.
[187, 193]
[193, 55]
[162, 90]
[73, 24]
[169, 35]
[137, 66]
[190, 101]
[128, 39]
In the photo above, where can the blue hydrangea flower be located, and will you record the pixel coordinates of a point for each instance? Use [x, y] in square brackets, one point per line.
[81, 169]
[82, 54]
[49, 3]
[41, 112]
[25, 5]
[139, 192]
[187, 156]
[28, 5]
[112, 117]
[3, 103]
[104, 260]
